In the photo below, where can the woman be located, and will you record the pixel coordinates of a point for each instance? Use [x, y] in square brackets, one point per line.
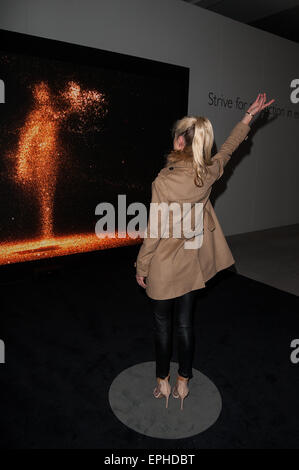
[173, 273]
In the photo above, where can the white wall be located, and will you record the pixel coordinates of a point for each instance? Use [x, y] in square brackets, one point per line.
[260, 187]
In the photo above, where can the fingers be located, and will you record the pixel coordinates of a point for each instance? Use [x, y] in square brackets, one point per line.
[140, 280]
[263, 104]
[261, 101]
[257, 105]
[259, 98]
[268, 104]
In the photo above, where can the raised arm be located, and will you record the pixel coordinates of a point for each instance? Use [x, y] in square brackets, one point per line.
[239, 132]
[237, 135]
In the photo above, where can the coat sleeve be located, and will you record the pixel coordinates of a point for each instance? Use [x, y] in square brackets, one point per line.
[153, 230]
[237, 135]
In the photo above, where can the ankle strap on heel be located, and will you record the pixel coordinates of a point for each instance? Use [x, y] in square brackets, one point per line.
[184, 379]
[166, 378]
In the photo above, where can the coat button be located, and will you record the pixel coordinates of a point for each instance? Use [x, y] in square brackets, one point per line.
[171, 167]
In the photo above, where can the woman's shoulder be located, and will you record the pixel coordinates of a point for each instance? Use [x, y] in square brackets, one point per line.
[164, 177]
[160, 180]
[164, 172]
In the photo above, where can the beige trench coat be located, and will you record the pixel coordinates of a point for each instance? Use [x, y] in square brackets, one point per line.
[170, 269]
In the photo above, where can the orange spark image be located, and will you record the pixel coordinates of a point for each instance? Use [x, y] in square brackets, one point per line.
[37, 158]
[37, 161]
[29, 250]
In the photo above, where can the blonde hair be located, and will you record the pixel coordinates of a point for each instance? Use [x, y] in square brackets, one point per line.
[198, 134]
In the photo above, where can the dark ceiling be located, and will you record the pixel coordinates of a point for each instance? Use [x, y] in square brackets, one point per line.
[280, 17]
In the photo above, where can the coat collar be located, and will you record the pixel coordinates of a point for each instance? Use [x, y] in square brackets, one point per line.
[181, 158]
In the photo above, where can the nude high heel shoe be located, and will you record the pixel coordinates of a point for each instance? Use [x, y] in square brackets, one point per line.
[180, 390]
[163, 389]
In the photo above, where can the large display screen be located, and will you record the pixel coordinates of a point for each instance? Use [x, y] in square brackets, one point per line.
[78, 126]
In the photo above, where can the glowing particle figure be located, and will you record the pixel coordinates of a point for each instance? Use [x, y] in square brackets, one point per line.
[37, 157]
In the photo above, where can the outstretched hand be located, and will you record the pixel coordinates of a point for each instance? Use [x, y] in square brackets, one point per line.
[259, 104]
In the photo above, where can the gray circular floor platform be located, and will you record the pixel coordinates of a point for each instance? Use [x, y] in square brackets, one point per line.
[132, 401]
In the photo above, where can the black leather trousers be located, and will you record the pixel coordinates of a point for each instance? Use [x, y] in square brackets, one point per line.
[183, 309]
